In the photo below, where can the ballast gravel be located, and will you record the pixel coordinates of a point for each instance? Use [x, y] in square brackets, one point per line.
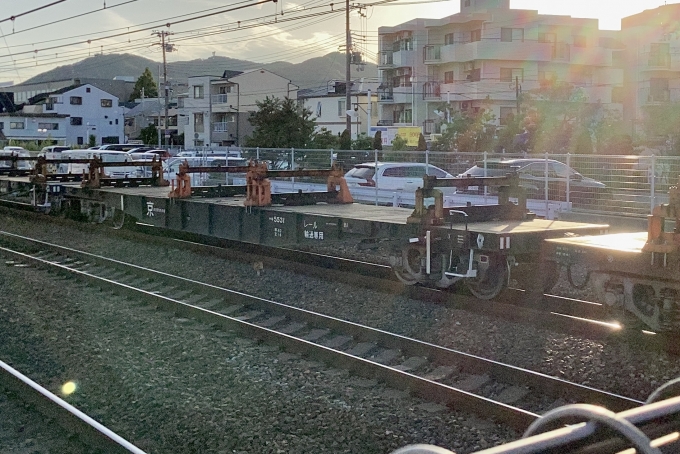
[173, 385]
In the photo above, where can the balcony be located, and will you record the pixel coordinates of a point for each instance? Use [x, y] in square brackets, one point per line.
[658, 97]
[432, 54]
[222, 126]
[432, 91]
[385, 59]
[219, 99]
[660, 62]
[385, 94]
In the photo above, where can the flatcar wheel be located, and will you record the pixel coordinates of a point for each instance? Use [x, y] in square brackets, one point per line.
[118, 219]
[494, 281]
[579, 277]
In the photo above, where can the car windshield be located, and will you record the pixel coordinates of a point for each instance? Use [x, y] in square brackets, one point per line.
[363, 172]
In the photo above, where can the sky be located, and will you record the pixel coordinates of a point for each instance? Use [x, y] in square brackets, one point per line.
[62, 32]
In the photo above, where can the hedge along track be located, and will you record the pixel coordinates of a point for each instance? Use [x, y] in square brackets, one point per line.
[509, 395]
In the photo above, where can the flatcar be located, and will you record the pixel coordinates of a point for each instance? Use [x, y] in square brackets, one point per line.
[485, 247]
[632, 274]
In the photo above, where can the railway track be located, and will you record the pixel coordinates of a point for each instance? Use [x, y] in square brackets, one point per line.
[94, 436]
[510, 395]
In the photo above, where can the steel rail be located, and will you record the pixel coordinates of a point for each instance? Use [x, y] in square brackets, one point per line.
[67, 416]
[397, 376]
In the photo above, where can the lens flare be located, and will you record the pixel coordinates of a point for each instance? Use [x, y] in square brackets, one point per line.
[68, 388]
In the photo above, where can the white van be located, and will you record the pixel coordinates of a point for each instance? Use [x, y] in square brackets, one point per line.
[15, 151]
[105, 156]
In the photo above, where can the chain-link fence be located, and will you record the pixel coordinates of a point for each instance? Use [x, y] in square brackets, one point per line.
[630, 185]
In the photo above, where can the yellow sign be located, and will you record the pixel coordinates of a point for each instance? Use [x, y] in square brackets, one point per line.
[410, 134]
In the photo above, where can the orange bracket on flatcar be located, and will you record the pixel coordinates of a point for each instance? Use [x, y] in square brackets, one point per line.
[658, 240]
[183, 179]
[258, 186]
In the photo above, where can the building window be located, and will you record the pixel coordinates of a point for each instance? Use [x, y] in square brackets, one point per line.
[76, 121]
[658, 90]
[509, 35]
[507, 115]
[2, 125]
[511, 74]
[17, 125]
[617, 94]
[198, 122]
[474, 75]
[448, 38]
[341, 108]
[76, 100]
[80, 141]
[476, 35]
[88, 89]
[580, 41]
[107, 102]
[448, 77]
[547, 38]
[48, 126]
[198, 91]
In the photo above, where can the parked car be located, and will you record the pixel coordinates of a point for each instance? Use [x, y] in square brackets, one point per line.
[7, 152]
[105, 156]
[141, 151]
[533, 176]
[394, 176]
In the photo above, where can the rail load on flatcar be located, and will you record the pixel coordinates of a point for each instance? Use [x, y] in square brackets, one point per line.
[631, 274]
[486, 247]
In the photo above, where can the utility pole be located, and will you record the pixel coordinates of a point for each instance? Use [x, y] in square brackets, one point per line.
[348, 82]
[517, 97]
[166, 47]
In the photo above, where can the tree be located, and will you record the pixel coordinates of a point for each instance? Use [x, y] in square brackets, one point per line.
[345, 140]
[422, 145]
[324, 140]
[149, 134]
[399, 144]
[363, 142]
[377, 140]
[280, 124]
[146, 82]
[91, 141]
[467, 131]
[560, 119]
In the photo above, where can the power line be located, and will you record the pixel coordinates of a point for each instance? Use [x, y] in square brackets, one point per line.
[13, 18]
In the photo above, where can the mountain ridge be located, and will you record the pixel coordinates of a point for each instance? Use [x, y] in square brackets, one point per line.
[312, 73]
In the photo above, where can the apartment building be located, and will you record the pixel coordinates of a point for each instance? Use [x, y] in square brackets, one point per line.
[652, 75]
[487, 54]
[216, 108]
[68, 116]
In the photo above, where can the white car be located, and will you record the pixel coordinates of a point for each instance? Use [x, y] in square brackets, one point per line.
[394, 176]
[6, 161]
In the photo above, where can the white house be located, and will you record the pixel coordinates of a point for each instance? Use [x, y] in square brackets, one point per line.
[330, 112]
[27, 126]
[91, 111]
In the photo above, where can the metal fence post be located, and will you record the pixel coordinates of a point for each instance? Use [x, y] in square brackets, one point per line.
[257, 153]
[568, 176]
[486, 189]
[292, 165]
[427, 162]
[545, 181]
[653, 185]
[375, 175]
[332, 159]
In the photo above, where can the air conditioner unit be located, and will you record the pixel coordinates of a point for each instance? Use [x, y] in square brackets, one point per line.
[464, 105]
